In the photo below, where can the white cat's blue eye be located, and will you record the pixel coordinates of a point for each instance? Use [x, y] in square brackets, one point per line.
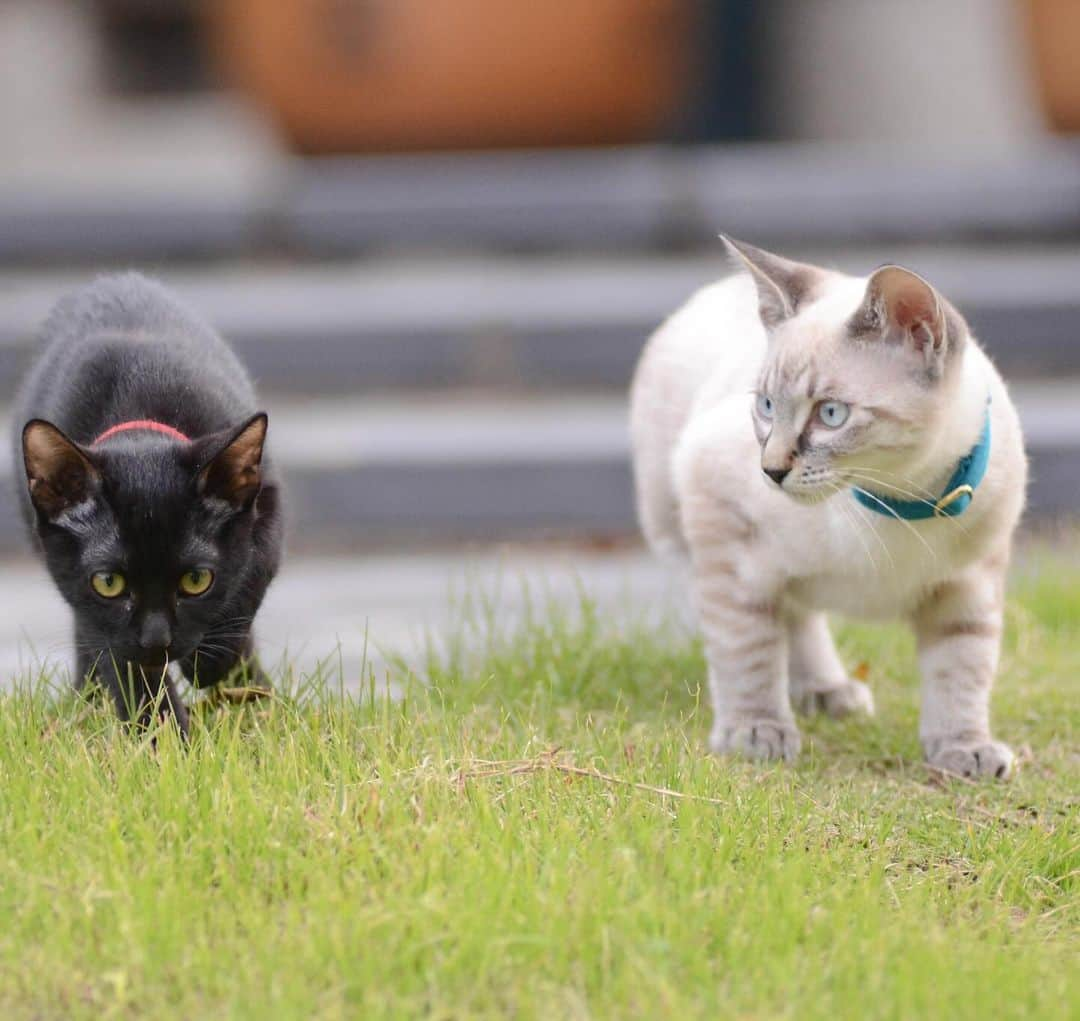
[764, 406]
[833, 413]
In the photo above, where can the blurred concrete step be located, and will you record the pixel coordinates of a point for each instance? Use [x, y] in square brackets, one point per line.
[434, 468]
[437, 468]
[575, 199]
[649, 195]
[536, 322]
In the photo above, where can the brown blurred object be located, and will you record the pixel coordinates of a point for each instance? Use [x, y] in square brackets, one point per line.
[1054, 28]
[352, 75]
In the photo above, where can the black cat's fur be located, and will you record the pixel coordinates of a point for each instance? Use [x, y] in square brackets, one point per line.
[143, 504]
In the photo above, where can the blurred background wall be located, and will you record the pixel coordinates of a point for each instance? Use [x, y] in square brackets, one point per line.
[440, 230]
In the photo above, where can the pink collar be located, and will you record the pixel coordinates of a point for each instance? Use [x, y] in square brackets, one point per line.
[141, 423]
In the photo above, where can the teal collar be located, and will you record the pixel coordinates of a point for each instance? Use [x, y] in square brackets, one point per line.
[959, 491]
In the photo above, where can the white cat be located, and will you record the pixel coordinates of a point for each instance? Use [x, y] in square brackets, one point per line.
[819, 442]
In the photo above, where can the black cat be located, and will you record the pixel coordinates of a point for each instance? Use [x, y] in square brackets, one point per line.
[147, 491]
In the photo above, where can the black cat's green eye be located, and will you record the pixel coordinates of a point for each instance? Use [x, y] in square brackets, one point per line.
[108, 584]
[196, 581]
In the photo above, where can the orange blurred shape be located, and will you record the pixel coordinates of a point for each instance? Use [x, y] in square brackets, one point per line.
[364, 75]
[1054, 31]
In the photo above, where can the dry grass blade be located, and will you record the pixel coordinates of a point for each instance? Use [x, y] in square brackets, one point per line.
[548, 763]
[937, 777]
[241, 696]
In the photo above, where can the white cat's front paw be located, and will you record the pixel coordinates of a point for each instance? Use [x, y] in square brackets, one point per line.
[971, 758]
[843, 700]
[756, 739]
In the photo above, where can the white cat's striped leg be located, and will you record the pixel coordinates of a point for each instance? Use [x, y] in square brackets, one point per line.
[818, 680]
[959, 633]
[746, 649]
[745, 642]
[737, 582]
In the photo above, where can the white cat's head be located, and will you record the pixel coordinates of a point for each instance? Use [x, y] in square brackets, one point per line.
[858, 375]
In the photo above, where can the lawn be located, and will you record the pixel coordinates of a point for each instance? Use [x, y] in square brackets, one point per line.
[504, 841]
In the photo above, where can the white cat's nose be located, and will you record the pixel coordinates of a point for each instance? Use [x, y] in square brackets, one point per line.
[777, 474]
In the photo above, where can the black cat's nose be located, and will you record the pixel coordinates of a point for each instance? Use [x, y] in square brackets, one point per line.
[777, 474]
[155, 633]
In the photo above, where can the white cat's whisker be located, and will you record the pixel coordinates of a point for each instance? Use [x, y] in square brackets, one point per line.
[855, 476]
[907, 524]
[854, 524]
[921, 492]
[918, 492]
[860, 515]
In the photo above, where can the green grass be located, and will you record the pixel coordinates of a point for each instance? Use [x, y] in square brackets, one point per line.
[319, 857]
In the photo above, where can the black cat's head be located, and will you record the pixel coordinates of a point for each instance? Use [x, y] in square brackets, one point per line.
[148, 538]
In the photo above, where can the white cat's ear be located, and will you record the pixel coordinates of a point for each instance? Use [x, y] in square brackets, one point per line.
[59, 475]
[234, 471]
[782, 284]
[902, 307]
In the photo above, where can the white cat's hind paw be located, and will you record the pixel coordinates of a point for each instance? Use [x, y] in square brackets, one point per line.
[971, 758]
[757, 739]
[844, 700]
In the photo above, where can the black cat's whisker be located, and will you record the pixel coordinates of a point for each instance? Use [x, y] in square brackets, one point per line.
[231, 622]
[212, 648]
[226, 633]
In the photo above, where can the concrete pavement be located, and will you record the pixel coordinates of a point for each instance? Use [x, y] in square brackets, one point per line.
[348, 615]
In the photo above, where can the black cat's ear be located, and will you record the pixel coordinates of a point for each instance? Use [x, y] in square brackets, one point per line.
[233, 471]
[782, 284]
[901, 307]
[59, 475]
